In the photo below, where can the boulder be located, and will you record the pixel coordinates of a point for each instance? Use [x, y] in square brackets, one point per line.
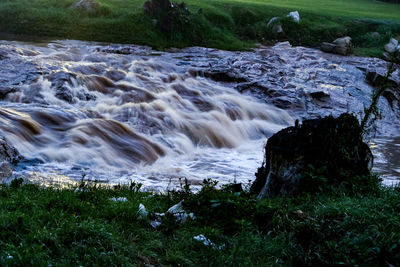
[4, 91]
[8, 153]
[333, 145]
[227, 76]
[327, 47]
[341, 46]
[62, 82]
[392, 50]
[272, 21]
[277, 29]
[275, 26]
[295, 16]
[88, 6]
[375, 35]
[5, 170]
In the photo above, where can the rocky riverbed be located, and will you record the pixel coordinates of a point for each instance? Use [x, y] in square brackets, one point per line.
[116, 113]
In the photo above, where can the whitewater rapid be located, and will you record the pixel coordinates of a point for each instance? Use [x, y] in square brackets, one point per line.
[120, 113]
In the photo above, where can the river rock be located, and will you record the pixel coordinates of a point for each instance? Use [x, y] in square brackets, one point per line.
[5, 170]
[8, 153]
[4, 91]
[295, 16]
[391, 46]
[277, 29]
[392, 50]
[89, 6]
[334, 144]
[272, 21]
[341, 46]
[275, 26]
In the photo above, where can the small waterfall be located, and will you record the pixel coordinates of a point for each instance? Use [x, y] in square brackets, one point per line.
[80, 110]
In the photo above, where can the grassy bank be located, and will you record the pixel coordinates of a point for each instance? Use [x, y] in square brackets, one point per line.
[226, 24]
[43, 226]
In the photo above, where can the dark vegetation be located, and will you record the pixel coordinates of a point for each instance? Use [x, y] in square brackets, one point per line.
[222, 24]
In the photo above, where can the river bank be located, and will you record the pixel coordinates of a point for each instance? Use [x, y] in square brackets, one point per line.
[89, 225]
[228, 24]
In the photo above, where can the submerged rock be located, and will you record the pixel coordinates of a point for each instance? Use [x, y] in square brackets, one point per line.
[331, 144]
[8, 153]
[4, 91]
[5, 170]
[8, 156]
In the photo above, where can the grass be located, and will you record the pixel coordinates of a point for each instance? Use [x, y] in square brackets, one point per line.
[48, 226]
[226, 24]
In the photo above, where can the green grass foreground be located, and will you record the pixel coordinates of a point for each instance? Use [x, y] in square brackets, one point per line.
[58, 227]
[225, 24]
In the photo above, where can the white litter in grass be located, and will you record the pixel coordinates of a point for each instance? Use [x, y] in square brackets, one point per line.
[207, 242]
[181, 216]
[142, 212]
[119, 199]
[179, 213]
[155, 224]
[78, 189]
[176, 208]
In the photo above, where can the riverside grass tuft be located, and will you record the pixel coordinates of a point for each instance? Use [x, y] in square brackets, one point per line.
[84, 226]
[224, 24]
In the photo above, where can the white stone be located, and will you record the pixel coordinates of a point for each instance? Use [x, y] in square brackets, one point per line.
[119, 199]
[272, 21]
[391, 46]
[5, 170]
[295, 16]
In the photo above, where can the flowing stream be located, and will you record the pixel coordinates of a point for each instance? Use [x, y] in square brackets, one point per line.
[116, 113]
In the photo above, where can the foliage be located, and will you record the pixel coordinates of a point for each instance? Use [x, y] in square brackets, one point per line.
[222, 24]
[372, 113]
[82, 226]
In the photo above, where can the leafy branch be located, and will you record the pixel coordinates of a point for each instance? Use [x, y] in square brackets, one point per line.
[371, 114]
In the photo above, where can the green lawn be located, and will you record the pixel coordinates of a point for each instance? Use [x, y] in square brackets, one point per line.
[226, 24]
[45, 226]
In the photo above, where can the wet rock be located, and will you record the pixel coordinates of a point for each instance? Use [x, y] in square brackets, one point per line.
[62, 82]
[295, 16]
[341, 46]
[3, 54]
[332, 144]
[5, 170]
[89, 6]
[376, 79]
[320, 95]
[226, 76]
[4, 91]
[8, 153]
[115, 75]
